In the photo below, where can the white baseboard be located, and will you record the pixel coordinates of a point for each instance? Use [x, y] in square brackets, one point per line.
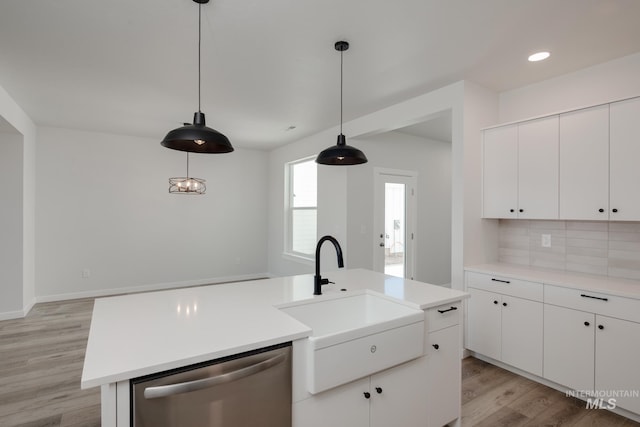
[8, 315]
[17, 314]
[147, 288]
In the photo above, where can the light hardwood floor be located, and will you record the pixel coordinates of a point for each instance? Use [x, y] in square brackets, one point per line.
[41, 360]
[493, 397]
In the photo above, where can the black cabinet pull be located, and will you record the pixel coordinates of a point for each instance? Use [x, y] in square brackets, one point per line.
[436, 346]
[600, 210]
[501, 281]
[592, 297]
[367, 395]
[614, 210]
[449, 309]
[520, 210]
[511, 210]
[379, 390]
[495, 302]
[504, 304]
[586, 323]
[601, 327]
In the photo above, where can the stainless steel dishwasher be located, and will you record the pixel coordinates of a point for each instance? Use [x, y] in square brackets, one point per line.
[248, 389]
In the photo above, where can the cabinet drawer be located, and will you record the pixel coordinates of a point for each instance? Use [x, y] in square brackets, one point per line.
[593, 302]
[339, 364]
[506, 286]
[443, 316]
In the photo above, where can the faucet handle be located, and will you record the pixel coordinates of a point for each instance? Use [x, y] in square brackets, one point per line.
[324, 281]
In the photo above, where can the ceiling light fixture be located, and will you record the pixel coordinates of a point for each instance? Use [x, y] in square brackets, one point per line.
[196, 137]
[187, 184]
[341, 153]
[539, 56]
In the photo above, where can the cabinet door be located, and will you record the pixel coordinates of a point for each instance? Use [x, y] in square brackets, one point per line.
[522, 334]
[617, 356]
[344, 406]
[538, 158]
[444, 376]
[624, 152]
[484, 323]
[399, 396]
[500, 172]
[584, 164]
[568, 347]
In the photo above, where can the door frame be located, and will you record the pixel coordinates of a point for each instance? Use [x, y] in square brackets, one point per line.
[410, 178]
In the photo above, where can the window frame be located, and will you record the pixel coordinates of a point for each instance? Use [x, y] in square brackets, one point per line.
[289, 210]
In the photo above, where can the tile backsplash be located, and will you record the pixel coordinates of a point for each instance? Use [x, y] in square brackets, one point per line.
[605, 248]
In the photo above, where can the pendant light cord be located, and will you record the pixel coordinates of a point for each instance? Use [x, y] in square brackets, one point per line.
[341, 61]
[199, 50]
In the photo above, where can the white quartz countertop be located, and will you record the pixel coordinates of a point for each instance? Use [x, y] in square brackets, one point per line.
[589, 282]
[140, 334]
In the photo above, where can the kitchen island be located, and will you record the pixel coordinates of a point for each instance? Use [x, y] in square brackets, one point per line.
[141, 334]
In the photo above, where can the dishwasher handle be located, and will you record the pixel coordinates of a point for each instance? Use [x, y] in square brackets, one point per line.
[173, 389]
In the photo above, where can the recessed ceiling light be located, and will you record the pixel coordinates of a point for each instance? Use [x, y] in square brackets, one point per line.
[538, 56]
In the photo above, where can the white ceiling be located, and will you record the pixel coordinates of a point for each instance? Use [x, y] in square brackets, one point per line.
[130, 66]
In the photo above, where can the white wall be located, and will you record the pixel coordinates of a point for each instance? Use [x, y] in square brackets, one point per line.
[480, 236]
[602, 83]
[432, 161]
[11, 223]
[18, 120]
[472, 108]
[332, 205]
[103, 205]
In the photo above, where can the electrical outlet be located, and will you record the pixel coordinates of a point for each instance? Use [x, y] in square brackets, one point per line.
[546, 240]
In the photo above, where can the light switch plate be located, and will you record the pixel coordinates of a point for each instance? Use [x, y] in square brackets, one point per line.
[546, 240]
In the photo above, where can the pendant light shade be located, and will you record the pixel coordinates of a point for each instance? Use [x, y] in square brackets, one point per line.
[197, 137]
[341, 154]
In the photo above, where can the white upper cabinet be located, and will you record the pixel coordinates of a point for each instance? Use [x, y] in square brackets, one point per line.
[520, 170]
[538, 169]
[500, 172]
[579, 165]
[625, 152]
[584, 164]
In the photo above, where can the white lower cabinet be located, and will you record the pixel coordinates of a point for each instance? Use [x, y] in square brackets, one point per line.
[343, 406]
[424, 392]
[568, 347]
[616, 361]
[398, 396]
[484, 323]
[602, 357]
[444, 376]
[391, 397]
[506, 328]
[584, 340]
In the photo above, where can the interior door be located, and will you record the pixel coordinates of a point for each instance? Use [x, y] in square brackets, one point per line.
[394, 237]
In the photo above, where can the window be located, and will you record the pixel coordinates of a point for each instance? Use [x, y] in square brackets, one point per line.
[302, 206]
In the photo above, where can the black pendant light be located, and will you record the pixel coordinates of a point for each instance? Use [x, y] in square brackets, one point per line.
[196, 137]
[341, 153]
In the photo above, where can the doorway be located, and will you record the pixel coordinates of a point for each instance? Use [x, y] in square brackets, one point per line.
[395, 212]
